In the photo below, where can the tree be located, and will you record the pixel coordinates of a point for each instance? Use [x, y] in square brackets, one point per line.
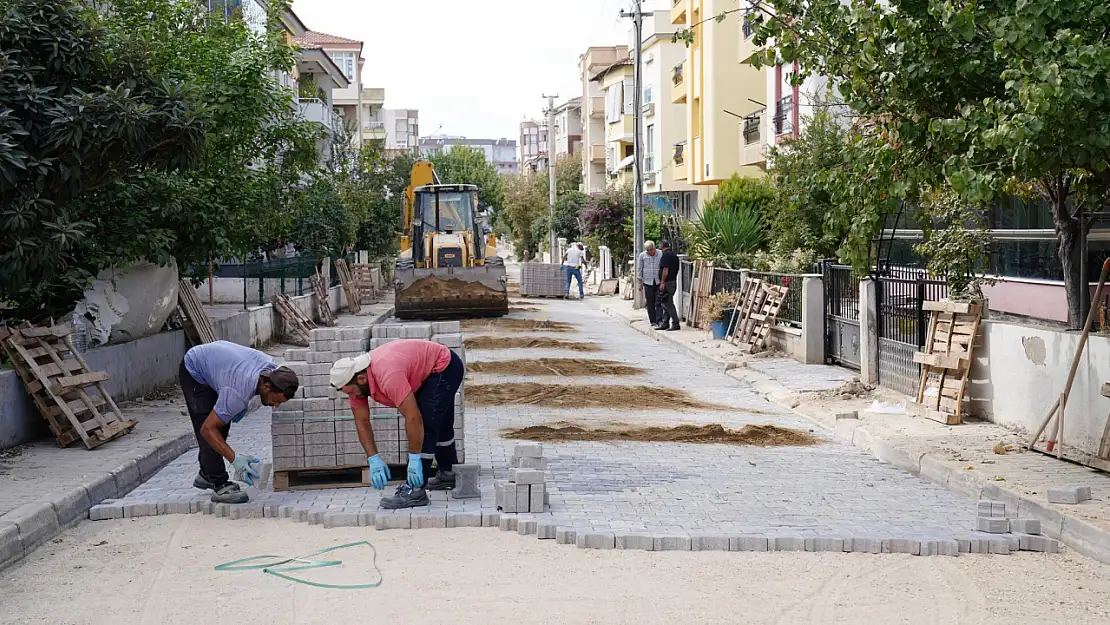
[975, 94]
[603, 222]
[731, 226]
[75, 118]
[323, 225]
[462, 164]
[526, 202]
[568, 215]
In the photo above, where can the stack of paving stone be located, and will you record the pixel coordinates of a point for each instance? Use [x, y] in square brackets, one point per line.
[526, 490]
[543, 280]
[991, 518]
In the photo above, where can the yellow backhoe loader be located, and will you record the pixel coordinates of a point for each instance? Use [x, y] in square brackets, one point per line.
[448, 266]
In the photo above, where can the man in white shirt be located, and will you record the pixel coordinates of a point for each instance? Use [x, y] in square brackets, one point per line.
[574, 258]
[647, 275]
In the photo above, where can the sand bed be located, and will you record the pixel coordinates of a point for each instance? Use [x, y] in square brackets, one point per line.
[570, 367]
[762, 435]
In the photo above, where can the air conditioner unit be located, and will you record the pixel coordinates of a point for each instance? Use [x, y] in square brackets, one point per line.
[649, 109]
[649, 179]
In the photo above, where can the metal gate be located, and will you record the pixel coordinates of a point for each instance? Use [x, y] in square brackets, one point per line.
[902, 327]
[842, 344]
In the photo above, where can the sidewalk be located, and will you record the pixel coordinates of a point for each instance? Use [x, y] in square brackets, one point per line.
[960, 457]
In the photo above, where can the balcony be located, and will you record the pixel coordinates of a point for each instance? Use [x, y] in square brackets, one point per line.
[678, 84]
[373, 95]
[597, 107]
[678, 12]
[597, 153]
[753, 140]
[679, 160]
[373, 130]
[784, 116]
[315, 110]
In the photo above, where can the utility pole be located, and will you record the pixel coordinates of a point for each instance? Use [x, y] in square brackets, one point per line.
[552, 242]
[637, 16]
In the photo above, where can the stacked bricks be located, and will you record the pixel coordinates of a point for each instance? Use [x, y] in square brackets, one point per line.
[991, 518]
[526, 490]
[543, 280]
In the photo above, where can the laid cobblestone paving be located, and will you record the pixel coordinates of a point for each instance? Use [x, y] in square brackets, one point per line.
[830, 496]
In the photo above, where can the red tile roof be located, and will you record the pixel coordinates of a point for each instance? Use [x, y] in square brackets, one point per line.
[314, 39]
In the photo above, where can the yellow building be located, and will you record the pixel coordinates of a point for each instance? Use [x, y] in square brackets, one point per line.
[617, 88]
[718, 93]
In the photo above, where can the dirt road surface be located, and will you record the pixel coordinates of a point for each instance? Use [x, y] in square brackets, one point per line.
[160, 570]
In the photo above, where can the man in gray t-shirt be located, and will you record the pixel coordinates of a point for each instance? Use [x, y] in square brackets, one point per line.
[219, 380]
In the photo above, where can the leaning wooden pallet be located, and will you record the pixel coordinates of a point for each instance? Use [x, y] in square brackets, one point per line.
[298, 326]
[323, 309]
[946, 359]
[751, 299]
[198, 323]
[759, 314]
[69, 397]
[348, 283]
[365, 282]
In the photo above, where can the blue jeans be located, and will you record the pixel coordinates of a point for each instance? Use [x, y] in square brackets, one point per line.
[436, 400]
[573, 272]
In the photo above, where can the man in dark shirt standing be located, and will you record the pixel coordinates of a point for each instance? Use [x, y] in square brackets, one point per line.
[668, 286]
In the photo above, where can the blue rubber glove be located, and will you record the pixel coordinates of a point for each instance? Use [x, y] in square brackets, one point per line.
[244, 469]
[416, 471]
[379, 471]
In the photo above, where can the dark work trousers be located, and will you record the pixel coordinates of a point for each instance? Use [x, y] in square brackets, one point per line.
[666, 299]
[651, 301]
[436, 400]
[200, 399]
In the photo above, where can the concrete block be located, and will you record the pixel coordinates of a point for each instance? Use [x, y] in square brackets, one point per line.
[940, 547]
[747, 543]
[70, 505]
[545, 530]
[322, 357]
[466, 482]
[526, 527]
[270, 511]
[787, 543]
[565, 535]
[1025, 526]
[1000, 546]
[531, 463]
[300, 355]
[416, 331]
[523, 496]
[847, 416]
[638, 541]
[1042, 544]
[866, 545]
[100, 487]
[526, 476]
[902, 545]
[825, 544]
[528, 450]
[1070, 494]
[537, 496]
[314, 440]
[11, 548]
[354, 346]
[429, 520]
[464, 519]
[341, 519]
[998, 509]
[392, 520]
[300, 515]
[508, 523]
[37, 523]
[366, 518]
[985, 509]
[709, 542]
[208, 507]
[595, 540]
[453, 339]
[322, 334]
[388, 331]
[286, 428]
[491, 519]
[992, 525]
[316, 516]
[127, 477]
[360, 333]
[101, 512]
[672, 542]
[377, 342]
[446, 327]
[318, 406]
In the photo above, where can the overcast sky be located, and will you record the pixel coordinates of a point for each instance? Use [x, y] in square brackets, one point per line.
[477, 67]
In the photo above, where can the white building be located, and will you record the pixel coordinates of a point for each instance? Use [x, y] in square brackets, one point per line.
[402, 130]
[347, 56]
[568, 128]
[595, 59]
[501, 153]
[533, 146]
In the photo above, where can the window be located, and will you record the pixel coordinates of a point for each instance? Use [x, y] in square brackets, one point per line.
[650, 159]
[647, 95]
[346, 62]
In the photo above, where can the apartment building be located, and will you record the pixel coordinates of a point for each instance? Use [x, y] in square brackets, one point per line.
[501, 153]
[402, 130]
[664, 121]
[533, 146]
[347, 55]
[373, 122]
[594, 176]
[568, 128]
[718, 94]
[618, 88]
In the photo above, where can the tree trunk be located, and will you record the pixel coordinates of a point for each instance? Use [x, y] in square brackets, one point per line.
[1069, 231]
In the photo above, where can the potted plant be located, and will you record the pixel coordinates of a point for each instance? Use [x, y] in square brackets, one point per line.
[719, 312]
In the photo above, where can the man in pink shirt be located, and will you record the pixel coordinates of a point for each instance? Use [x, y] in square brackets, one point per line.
[419, 378]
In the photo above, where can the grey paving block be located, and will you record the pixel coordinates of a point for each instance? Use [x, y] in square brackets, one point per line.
[322, 334]
[270, 511]
[491, 519]
[595, 540]
[1000, 546]
[709, 542]
[1025, 526]
[992, 525]
[429, 520]
[523, 496]
[566, 535]
[316, 516]
[537, 496]
[640, 541]
[532, 463]
[747, 543]
[508, 523]
[1027, 542]
[834, 544]
[464, 519]
[672, 542]
[392, 520]
[466, 482]
[528, 450]
[545, 530]
[101, 512]
[998, 509]
[127, 477]
[11, 547]
[173, 507]
[866, 545]
[366, 518]
[787, 543]
[902, 545]
[135, 510]
[341, 519]
[446, 327]
[100, 487]
[940, 547]
[1069, 494]
[527, 527]
[206, 507]
[984, 508]
[451, 339]
[526, 476]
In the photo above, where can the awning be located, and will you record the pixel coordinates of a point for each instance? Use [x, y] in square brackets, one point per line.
[626, 163]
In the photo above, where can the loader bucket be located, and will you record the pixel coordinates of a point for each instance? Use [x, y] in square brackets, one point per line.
[451, 292]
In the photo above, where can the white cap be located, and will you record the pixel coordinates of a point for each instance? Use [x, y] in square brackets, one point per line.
[345, 369]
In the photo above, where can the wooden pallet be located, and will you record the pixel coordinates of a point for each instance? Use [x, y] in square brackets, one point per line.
[323, 309]
[66, 393]
[298, 326]
[318, 478]
[758, 305]
[350, 291]
[700, 288]
[946, 359]
[366, 283]
[198, 326]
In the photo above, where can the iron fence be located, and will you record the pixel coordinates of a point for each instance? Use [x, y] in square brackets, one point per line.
[727, 280]
[286, 276]
[791, 312]
[687, 268]
[902, 327]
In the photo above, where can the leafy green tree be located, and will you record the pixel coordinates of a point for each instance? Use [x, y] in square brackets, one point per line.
[956, 242]
[76, 117]
[526, 202]
[604, 222]
[568, 214]
[323, 225]
[463, 164]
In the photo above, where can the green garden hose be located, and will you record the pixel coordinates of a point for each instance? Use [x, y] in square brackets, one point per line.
[277, 566]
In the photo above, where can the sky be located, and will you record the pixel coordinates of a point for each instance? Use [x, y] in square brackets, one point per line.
[473, 68]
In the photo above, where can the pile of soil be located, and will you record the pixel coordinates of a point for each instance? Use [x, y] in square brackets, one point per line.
[849, 390]
[554, 366]
[433, 288]
[513, 342]
[567, 396]
[761, 435]
[516, 325]
[521, 309]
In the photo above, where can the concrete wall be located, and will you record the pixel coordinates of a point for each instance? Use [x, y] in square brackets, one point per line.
[1020, 370]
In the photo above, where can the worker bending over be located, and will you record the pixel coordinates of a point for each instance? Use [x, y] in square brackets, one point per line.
[218, 380]
[420, 378]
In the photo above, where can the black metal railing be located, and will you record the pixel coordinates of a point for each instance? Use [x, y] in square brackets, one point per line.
[900, 313]
[784, 115]
[749, 25]
[791, 312]
[727, 280]
[679, 150]
[841, 290]
[751, 129]
[285, 276]
[676, 75]
[687, 268]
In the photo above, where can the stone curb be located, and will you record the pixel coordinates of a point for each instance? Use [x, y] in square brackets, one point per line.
[32, 524]
[1083, 537]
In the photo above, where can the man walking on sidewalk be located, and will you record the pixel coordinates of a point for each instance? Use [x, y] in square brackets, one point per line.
[218, 380]
[647, 275]
[420, 378]
[668, 286]
[573, 259]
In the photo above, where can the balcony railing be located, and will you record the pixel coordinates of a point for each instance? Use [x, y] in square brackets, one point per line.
[751, 128]
[749, 25]
[649, 163]
[679, 153]
[373, 126]
[784, 116]
[675, 3]
[676, 74]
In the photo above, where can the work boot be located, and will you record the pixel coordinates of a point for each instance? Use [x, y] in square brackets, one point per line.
[405, 497]
[230, 493]
[673, 328]
[200, 482]
[443, 480]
